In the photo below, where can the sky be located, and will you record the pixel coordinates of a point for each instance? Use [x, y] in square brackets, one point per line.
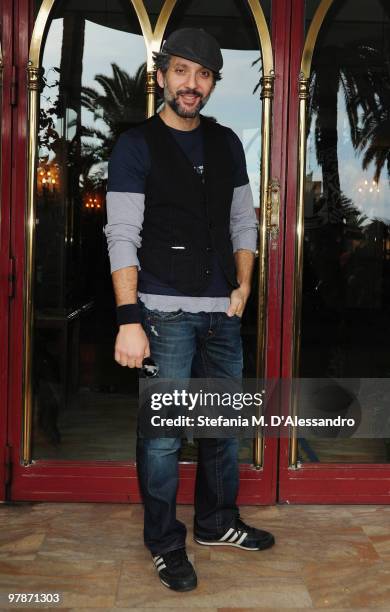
[373, 204]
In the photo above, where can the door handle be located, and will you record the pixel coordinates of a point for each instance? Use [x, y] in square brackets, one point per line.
[273, 208]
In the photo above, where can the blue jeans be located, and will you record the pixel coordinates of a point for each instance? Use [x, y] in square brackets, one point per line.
[185, 345]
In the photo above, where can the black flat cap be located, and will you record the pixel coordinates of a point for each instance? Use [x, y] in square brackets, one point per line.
[196, 45]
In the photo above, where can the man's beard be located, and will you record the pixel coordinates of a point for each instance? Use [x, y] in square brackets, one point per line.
[173, 102]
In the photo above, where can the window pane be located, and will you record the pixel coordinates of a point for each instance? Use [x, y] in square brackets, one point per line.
[346, 285]
[84, 403]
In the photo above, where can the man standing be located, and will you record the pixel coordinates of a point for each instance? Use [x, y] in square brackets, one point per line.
[181, 235]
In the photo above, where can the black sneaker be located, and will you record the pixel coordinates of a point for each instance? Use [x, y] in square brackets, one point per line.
[175, 571]
[241, 536]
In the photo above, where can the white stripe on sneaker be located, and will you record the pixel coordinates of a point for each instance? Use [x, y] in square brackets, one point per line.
[242, 538]
[227, 534]
[234, 537]
[159, 563]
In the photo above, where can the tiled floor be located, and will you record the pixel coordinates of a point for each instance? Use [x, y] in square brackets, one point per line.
[326, 557]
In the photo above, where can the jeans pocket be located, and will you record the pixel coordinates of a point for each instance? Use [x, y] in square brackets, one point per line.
[166, 317]
[235, 318]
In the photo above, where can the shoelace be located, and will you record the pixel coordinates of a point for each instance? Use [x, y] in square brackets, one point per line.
[241, 527]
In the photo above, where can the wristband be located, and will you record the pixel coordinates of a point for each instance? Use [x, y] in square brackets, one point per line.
[128, 313]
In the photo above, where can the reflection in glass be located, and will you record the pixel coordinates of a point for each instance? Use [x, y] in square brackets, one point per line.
[94, 88]
[346, 284]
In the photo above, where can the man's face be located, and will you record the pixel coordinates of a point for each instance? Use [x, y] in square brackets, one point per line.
[187, 86]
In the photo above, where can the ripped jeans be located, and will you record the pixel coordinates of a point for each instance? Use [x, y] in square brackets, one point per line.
[185, 345]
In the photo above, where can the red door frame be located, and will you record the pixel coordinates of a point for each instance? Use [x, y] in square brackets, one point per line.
[5, 270]
[314, 483]
[106, 481]
[109, 481]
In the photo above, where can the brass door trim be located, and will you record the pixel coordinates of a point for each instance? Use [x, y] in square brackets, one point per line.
[33, 86]
[306, 62]
[144, 23]
[28, 303]
[153, 40]
[267, 93]
[312, 35]
[264, 36]
[38, 33]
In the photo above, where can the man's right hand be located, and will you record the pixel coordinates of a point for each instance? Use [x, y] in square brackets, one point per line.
[131, 346]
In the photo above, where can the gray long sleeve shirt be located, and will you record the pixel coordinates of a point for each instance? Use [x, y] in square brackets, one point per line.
[128, 168]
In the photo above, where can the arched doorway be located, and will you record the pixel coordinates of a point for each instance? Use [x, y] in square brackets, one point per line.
[90, 77]
[319, 308]
[338, 300]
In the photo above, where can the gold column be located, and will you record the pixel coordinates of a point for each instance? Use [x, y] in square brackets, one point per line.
[150, 93]
[267, 93]
[34, 82]
[34, 85]
[267, 89]
[307, 57]
[153, 40]
[298, 275]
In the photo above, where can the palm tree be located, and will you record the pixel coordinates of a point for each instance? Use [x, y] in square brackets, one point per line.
[336, 67]
[372, 137]
[120, 106]
[362, 71]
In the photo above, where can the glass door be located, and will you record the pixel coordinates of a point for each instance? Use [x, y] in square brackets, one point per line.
[94, 78]
[338, 253]
[90, 77]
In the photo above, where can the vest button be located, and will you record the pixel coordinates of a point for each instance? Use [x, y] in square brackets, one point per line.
[208, 272]
[208, 249]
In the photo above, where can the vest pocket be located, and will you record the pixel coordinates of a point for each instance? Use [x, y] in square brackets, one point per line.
[184, 268]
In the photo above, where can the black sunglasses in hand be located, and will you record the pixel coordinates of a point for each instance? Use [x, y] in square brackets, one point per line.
[149, 368]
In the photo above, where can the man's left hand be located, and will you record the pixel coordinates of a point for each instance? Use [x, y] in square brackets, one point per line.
[238, 300]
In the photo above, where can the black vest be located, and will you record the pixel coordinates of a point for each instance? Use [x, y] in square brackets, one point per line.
[183, 211]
